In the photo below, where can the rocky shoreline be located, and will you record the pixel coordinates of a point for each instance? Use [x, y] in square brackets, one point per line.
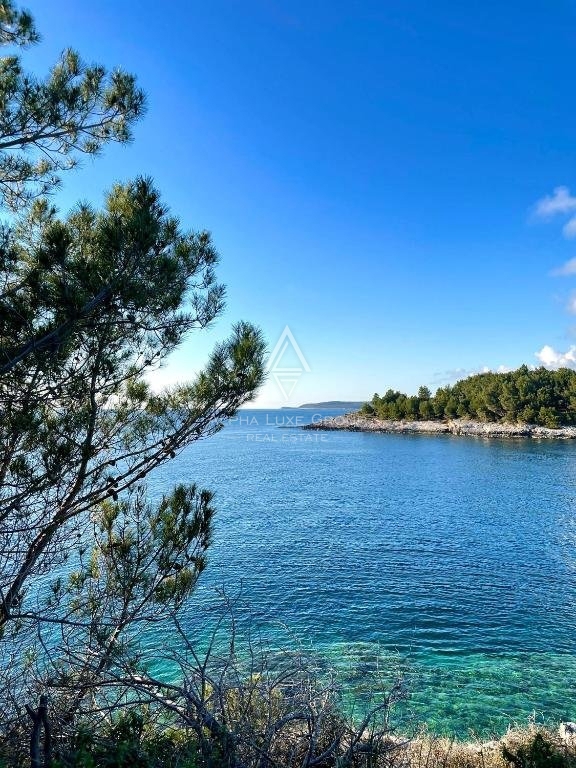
[353, 422]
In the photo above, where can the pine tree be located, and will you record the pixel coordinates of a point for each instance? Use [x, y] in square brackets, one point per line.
[91, 304]
[46, 125]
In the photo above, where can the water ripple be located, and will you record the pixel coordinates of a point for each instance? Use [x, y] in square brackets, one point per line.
[453, 557]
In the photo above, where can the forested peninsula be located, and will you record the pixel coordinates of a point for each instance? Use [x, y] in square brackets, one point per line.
[521, 403]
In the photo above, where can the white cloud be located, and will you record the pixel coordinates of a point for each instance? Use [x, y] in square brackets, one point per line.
[560, 202]
[571, 306]
[569, 268]
[569, 229]
[453, 375]
[550, 358]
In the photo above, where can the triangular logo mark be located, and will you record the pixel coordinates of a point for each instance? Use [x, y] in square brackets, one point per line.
[286, 382]
[287, 377]
[285, 342]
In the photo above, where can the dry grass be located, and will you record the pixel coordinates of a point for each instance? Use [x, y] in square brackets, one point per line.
[427, 751]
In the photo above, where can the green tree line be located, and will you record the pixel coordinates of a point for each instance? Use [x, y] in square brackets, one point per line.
[539, 396]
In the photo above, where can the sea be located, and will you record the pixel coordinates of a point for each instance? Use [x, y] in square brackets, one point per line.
[444, 564]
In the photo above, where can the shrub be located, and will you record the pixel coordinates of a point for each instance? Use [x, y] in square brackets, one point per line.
[539, 752]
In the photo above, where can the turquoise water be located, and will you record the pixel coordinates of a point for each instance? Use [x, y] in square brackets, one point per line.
[451, 559]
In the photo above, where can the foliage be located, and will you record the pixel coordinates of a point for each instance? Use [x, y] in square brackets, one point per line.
[91, 304]
[537, 753]
[45, 125]
[129, 741]
[143, 565]
[80, 422]
[82, 427]
[540, 396]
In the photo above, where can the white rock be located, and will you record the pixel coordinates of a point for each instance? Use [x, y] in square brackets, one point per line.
[567, 732]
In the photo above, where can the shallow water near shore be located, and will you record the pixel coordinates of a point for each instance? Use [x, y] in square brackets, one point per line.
[453, 559]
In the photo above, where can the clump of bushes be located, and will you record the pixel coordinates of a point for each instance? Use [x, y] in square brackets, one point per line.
[129, 742]
[135, 740]
[539, 752]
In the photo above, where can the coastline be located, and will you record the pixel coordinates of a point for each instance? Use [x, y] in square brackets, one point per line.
[352, 422]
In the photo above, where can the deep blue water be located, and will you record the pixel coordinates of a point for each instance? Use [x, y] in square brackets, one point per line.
[452, 558]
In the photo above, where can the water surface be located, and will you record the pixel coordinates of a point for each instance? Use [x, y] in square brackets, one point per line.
[451, 558]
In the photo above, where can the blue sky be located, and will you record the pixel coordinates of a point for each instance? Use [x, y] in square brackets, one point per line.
[372, 173]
